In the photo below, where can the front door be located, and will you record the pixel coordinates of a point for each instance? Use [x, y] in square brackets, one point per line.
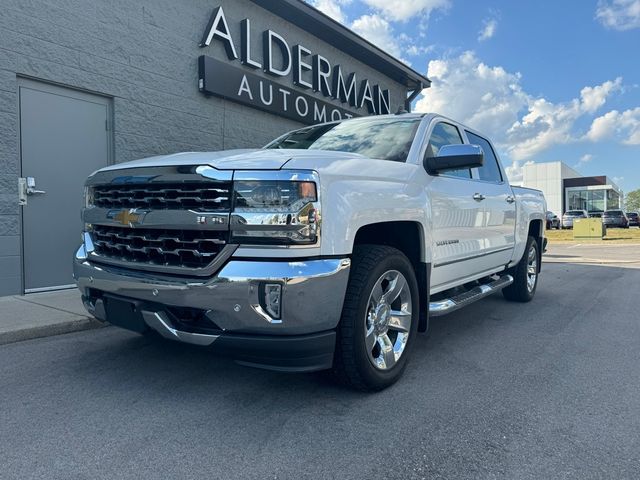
[64, 137]
[458, 219]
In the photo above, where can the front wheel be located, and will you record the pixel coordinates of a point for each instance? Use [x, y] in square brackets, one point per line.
[525, 275]
[379, 318]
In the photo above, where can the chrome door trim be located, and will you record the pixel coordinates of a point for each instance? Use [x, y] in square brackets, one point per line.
[484, 254]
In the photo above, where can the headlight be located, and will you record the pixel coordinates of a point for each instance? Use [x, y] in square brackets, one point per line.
[88, 197]
[281, 212]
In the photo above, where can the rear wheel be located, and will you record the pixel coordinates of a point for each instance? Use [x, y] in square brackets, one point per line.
[379, 318]
[525, 274]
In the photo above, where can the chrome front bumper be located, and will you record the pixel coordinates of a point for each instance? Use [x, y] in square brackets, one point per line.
[302, 339]
[312, 293]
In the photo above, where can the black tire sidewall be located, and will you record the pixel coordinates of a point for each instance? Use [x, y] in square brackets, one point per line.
[532, 242]
[523, 268]
[370, 374]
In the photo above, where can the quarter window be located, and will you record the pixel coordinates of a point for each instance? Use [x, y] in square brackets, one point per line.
[490, 170]
[446, 134]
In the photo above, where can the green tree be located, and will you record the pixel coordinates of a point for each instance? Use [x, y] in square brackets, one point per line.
[632, 201]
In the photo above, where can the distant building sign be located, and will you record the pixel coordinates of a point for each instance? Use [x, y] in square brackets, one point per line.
[307, 71]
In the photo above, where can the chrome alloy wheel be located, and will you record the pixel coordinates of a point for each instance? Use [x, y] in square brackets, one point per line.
[532, 268]
[388, 319]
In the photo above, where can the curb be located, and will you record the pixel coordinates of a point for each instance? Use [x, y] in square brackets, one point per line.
[50, 330]
[599, 261]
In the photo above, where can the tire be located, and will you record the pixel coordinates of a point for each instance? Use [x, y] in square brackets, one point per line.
[525, 281]
[371, 353]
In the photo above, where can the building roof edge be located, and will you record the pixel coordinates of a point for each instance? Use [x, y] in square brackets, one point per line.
[334, 33]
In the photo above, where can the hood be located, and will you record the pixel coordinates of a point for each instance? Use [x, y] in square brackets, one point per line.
[225, 160]
[242, 159]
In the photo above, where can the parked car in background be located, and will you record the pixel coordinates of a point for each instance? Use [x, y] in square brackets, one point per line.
[552, 221]
[634, 219]
[569, 216]
[595, 213]
[615, 218]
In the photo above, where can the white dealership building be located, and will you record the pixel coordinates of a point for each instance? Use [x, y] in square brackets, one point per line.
[566, 189]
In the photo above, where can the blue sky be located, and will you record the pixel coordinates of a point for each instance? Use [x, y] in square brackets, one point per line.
[547, 80]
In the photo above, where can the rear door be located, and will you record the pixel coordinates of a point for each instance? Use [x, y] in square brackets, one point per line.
[498, 204]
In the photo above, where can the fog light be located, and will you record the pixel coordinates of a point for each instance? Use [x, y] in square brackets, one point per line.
[273, 299]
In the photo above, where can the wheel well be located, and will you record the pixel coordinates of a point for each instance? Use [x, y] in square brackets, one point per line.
[536, 231]
[409, 239]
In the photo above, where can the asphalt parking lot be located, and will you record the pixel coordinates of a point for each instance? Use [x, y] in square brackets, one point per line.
[548, 389]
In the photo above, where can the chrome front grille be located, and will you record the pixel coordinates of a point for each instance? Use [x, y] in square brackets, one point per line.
[158, 247]
[200, 196]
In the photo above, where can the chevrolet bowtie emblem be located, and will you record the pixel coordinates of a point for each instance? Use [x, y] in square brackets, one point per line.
[127, 217]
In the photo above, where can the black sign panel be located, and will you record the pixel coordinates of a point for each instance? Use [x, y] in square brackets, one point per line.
[224, 80]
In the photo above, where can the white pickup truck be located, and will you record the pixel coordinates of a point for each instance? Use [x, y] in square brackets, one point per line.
[329, 248]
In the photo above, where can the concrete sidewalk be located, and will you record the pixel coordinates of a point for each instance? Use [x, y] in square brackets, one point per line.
[23, 317]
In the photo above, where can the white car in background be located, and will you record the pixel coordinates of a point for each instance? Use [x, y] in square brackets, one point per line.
[570, 215]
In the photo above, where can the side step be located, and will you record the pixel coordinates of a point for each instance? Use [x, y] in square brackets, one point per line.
[448, 305]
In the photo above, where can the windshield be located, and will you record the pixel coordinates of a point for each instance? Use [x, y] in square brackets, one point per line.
[613, 213]
[574, 213]
[380, 138]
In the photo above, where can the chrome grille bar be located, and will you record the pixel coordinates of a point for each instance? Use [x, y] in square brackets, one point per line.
[196, 196]
[175, 248]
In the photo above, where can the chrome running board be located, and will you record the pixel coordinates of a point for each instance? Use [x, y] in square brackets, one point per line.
[448, 305]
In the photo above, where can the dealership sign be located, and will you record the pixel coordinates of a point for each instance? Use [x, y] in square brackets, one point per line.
[312, 75]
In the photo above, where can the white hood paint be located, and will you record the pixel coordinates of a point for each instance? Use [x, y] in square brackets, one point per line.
[242, 159]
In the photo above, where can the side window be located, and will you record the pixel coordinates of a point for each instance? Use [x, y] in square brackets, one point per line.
[446, 134]
[490, 171]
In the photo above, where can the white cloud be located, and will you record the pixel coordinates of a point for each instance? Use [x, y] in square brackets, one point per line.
[619, 14]
[584, 159]
[624, 126]
[402, 10]
[484, 97]
[332, 8]
[488, 30]
[492, 100]
[516, 169]
[379, 32]
[415, 50]
[594, 97]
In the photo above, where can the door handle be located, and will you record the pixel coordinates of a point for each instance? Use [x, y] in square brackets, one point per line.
[26, 187]
[478, 197]
[510, 199]
[31, 187]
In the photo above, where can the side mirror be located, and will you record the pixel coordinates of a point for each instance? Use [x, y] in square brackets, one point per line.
[454, 157]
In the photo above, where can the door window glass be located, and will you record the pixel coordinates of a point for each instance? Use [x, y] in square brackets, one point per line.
[490, 171]
[446, 134]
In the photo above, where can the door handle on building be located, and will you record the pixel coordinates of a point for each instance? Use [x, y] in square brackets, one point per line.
[31, 187]
[26, 187]
[478, 196]
[510, 199]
